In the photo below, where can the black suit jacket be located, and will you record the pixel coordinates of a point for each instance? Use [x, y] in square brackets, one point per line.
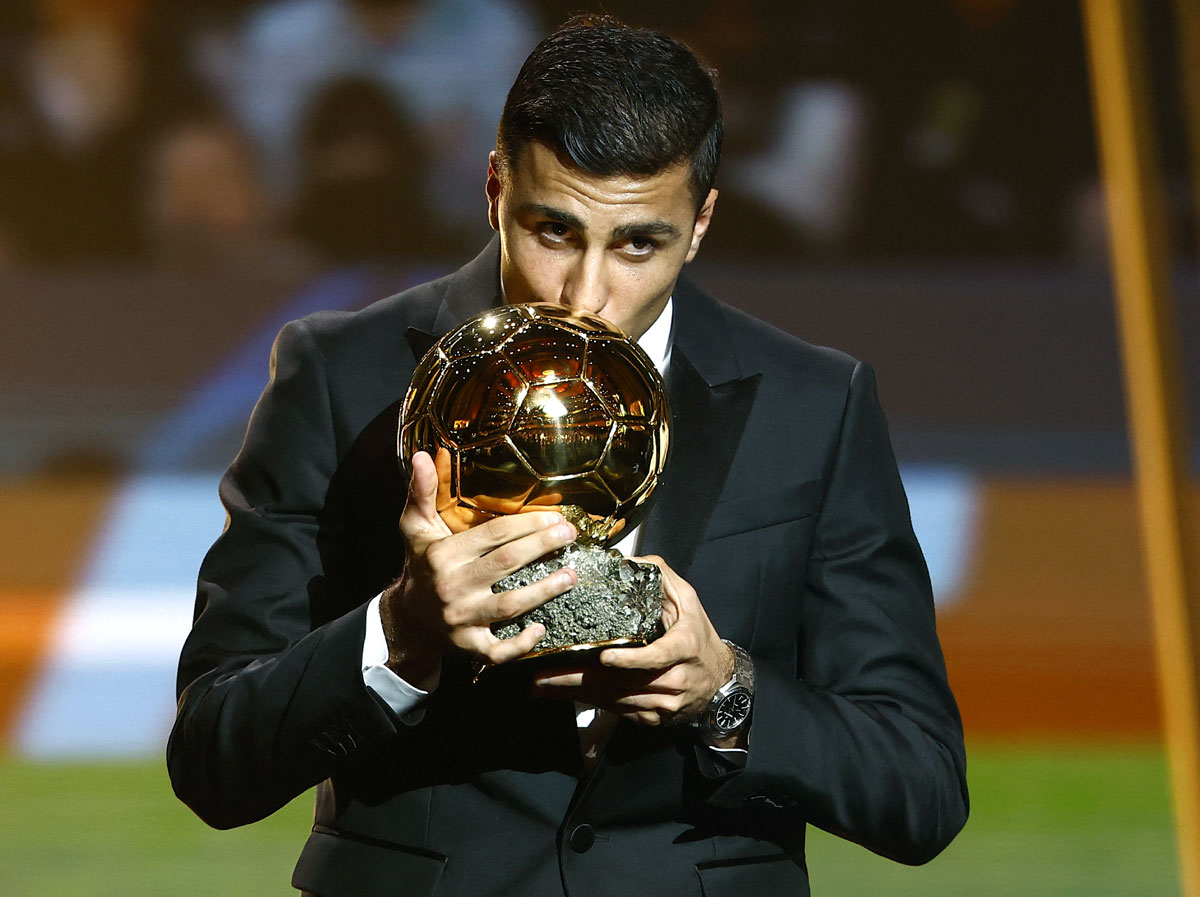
[782, 505]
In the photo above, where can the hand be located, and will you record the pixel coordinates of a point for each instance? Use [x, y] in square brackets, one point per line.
[671, 680]
[444, 601]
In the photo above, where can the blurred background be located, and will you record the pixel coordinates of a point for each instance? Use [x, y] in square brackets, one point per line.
[914, 183]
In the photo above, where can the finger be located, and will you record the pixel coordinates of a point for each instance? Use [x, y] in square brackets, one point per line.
[442, 465]
[547, 499]
[648, 708]
[675, 588]
[660, 654]
[511, 556]
[499, 606]
[419, 521]
[595, 685]
[592, 690]
[645, 718]
[667, 704]
[510, 527]
[560, 679]
[673, 584]
[498, 650]
[657, 561]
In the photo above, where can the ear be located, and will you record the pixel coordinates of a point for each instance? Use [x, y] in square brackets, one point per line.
[493, 192]
[703, 219]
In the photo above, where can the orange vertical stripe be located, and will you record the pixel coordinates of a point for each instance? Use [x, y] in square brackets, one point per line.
[47, 530]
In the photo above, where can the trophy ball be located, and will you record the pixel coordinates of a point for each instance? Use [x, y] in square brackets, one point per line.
[530, 407]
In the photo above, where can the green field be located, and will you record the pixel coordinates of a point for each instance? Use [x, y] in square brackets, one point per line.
[1053, 821]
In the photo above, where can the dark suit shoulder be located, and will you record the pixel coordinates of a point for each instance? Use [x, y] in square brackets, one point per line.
[375, 333]
[779, 346]
[356, 335]
[758, 347]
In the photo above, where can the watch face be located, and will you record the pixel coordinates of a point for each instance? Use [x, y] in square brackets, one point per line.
[732, 711]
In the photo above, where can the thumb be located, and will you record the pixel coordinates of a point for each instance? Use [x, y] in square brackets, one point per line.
[420, 521]
[673, 591]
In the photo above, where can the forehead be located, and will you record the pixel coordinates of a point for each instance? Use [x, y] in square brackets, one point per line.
[543, 177]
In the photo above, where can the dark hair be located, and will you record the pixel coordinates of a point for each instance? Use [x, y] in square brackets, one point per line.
[615, 100]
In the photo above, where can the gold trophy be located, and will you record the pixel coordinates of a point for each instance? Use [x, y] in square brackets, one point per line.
[534, 407]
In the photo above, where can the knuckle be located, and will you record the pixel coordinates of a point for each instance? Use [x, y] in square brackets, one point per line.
[499, 526]
[443, 590]
[507, 605]
[435, 553]
[455, 615]
[463, 641]
[504, 528]
[503, 558]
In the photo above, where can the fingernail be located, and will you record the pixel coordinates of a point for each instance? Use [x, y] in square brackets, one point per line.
[564, 531]
[568, 576]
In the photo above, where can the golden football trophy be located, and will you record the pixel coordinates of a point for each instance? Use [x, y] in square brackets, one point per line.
[535, 407]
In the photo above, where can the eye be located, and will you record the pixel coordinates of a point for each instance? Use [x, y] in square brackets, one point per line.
[554, 232]
[640, 246]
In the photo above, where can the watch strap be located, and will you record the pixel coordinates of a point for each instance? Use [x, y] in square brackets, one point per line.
[736, 696]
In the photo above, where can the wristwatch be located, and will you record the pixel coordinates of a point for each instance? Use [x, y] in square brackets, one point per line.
[730, 707]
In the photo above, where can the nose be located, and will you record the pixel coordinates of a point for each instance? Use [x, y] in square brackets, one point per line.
[585, 287]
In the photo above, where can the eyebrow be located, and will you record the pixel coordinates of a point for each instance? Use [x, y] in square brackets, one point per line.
[657, 228]
[646, 229]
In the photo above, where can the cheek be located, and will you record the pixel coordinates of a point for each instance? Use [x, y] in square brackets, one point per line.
[639, 286]
[532, 273]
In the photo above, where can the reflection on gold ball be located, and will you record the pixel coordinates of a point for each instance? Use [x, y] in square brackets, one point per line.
[534, 406]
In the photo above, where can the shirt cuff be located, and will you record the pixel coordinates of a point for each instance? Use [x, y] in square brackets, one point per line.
[404, 699]
[718, 762]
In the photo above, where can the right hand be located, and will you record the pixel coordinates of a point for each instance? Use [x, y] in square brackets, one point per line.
[444, 601]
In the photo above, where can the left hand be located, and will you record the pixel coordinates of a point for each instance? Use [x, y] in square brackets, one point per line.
[671, 680]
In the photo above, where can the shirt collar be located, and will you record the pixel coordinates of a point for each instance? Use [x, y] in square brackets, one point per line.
[656, 341]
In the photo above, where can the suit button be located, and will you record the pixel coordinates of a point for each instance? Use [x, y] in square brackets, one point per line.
[582, 838]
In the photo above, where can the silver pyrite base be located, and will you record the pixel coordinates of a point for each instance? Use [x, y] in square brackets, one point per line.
[616, 601]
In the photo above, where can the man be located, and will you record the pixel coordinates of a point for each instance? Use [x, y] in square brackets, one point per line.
[338, 617]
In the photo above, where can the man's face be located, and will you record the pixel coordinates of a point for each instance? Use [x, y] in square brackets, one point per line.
[612, 246]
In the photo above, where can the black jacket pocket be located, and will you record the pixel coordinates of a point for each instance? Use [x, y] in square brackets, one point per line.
[753, 876]
[335, 865]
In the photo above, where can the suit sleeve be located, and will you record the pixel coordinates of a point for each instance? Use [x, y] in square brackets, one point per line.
[864, 738]
[270, 704]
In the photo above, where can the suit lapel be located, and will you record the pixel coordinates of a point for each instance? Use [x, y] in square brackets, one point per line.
[420, 341]
[710, 398]
[706, 427]
[471, 289]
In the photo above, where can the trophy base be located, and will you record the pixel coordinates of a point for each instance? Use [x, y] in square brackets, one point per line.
[569, 656]
[616, 602]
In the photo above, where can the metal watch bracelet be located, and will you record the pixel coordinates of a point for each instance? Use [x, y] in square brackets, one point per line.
[730, 707]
